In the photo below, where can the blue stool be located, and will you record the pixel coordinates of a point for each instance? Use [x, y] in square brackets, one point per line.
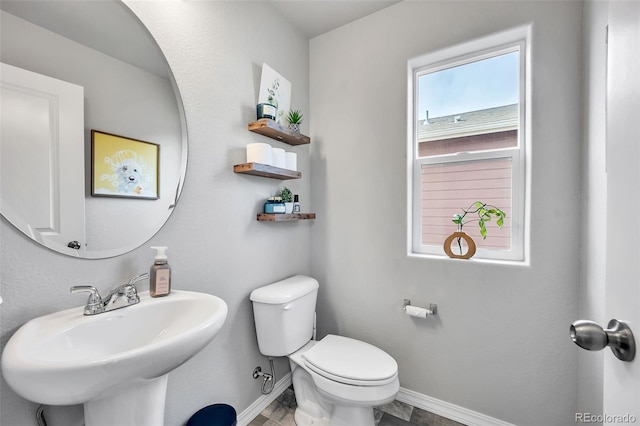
[214, 415]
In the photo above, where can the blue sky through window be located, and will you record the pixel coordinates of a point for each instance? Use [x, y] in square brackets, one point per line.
[483, 84]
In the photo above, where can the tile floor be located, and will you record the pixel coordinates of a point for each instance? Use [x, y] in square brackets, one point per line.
[280, 413]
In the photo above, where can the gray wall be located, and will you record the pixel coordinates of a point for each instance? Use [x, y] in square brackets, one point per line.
[216, 50]
[500, 343]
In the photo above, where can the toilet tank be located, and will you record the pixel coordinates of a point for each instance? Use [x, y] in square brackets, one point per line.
[284, 314]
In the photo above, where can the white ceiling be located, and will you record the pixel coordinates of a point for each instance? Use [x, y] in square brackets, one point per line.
[75, 19]
[315, 17]
[117, 32]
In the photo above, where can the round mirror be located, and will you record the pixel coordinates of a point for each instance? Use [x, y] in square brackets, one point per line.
[93, 144]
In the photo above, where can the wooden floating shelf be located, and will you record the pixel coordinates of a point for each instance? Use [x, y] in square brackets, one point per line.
[282, 217]
[273, 130]
[259, 169]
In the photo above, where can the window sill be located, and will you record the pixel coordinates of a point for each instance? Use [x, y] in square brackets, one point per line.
[474, 260]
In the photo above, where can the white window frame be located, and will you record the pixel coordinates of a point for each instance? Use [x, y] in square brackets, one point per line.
[486, 47]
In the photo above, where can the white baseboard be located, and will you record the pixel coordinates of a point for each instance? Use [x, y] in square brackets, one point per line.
[264, 401]
[448, 410]
[415, 399]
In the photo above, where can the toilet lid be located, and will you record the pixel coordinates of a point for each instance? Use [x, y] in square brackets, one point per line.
[351, 361]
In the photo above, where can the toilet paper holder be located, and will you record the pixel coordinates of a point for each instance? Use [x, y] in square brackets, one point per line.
[432, 310]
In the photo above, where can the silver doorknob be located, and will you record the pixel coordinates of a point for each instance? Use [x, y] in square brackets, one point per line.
[590, 336]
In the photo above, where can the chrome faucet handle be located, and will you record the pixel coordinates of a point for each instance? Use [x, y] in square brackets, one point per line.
[94, 302]
[131, 292]
[139, 278]
[130, 288]
[128, 291]
[125, 290]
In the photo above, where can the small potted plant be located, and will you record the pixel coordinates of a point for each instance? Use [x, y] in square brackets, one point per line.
[295, 119]
[485, 213]
[287, 199]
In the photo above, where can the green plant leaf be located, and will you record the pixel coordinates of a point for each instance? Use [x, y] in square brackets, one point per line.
[294, 116]
[286, 195]
[486, 213]
[483, 229]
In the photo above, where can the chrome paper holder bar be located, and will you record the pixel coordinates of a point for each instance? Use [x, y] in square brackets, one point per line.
[433, 308]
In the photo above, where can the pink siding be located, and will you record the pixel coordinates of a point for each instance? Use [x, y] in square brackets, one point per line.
[450, 187]
[497, 140]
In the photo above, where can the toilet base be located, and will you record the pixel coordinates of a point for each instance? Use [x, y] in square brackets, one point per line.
[342, 416]
[319, 408]
[303, 419]
[349, 416]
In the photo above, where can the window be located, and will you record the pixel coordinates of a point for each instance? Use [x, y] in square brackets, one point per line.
[467, 143]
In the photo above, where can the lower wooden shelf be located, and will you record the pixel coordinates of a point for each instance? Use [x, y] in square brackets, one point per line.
[282, 217]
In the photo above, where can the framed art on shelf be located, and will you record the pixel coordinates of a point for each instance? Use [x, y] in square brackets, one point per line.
[275, 90]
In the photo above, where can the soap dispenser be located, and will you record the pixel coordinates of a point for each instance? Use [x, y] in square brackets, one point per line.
[160, 274]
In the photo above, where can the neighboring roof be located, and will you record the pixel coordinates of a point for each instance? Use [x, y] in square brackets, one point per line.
[490, 120]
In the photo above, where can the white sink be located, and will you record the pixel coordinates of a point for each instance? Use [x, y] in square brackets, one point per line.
[116, 363]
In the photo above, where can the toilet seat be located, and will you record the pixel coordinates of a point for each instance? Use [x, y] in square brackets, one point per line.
[351, 361]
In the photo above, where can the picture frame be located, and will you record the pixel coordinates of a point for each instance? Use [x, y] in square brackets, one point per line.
[124, 167]
[275, 90]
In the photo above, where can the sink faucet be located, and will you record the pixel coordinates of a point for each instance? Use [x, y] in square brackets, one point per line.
[119, 297]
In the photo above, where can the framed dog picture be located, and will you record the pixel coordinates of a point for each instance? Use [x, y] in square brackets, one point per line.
[124, 167]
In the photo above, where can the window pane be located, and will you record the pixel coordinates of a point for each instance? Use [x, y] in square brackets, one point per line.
[470, 107]
[448, 188]
[467, 140]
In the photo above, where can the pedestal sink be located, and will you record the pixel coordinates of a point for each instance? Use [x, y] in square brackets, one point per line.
[115, 363]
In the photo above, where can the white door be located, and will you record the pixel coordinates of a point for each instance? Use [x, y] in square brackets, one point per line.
[622, 379]
[42, 119]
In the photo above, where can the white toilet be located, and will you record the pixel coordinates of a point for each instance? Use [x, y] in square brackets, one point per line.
[337, 380]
